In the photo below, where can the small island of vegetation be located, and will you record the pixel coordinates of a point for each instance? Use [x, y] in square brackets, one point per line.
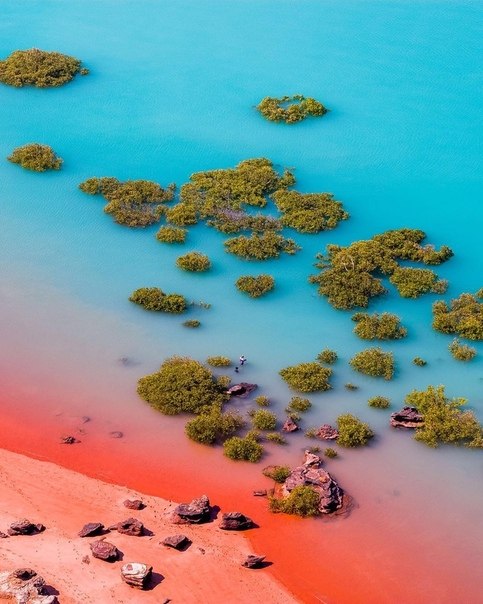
[379, 402]
[309, 212]
[39, 68]
[36, 157]
[352, 431]
[374, 362]
[153, 298]
[461, 352]
[327, 356]
[307, 377]
[244, 448]
[171, 234]
[290, 109]
[414, 282]
[463, 316]
[255, 286]
[194, 262]
[378, 327]
[261, 246]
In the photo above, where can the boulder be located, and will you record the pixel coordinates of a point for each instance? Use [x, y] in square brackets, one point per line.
[69, 440]
[235, 521]
[131, 526]
[104, 550]
[243, 389]
[3, 535]
[252, 561]
[196, 512]
[327, 432]
[136, 574]
[91, 529]
[25, 527]
[407, 417]
[116, 434]
[134, 504]
[260, 493]
[24, 586]
[289, 425]
[179, 542]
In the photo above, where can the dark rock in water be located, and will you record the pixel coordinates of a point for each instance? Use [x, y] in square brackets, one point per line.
[235, 521]
[25, 527]
[116, 434]
[134, 504]
[260, 493]
[311, 474]
[289, 425]
[407, 417]
[24, 586]
[327, 432]
[136, 574]
[91, 529]
[69, 440]
[104, 550]
[179, 542]
[243, 389]
[196, 512]
[131, 526]
[253, 561]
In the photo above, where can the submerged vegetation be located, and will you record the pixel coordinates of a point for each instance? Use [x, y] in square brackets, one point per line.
[419, 362]
[463, 316]
[309, 212]
[194, 262]
[378, 327]
[261, 246]
[350, 276]
[277, 473]
[379, 402]
[290, 109]
[219, 361]
[353, 432]
[298, 404]
[255, 286]
[39, 68]
[153, 298]
[461, 352]
[192, 323]
[327, 356]
[171, 234]
[243, 448]
[264, 420]
[374, 362]
[307, 377]
[213, 426]
[36, 157]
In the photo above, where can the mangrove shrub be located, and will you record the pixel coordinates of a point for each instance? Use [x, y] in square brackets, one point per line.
[327, 356]
[213, 425]
[153, 298]
[255, 286]
[243, 448]
[290, 109]
[261, 246]
[378, 327]
[36, 157]
[277, 473]
[171, 234]
[374, 362]
[352, 431]
[379, 402]
[303, 501]
[307, 377]
[264, 420]
[218, 361]
[39, 68]
[414, 282]
[194, 262]
[309, 212]
[461, 352]
[463, 316]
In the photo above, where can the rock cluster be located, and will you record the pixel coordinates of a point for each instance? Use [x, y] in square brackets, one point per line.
[407, 417]
[235, 521]
[289, 425]
[25, 527]
[24, 586]
[196, 512]
[179, 542]
[327, 432]
[136, 574]
[104, 550]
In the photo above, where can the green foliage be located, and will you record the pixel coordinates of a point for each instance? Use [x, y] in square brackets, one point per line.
[444, 422]
[182, 214]
[419, 362]
[309, 212]
[461, 352]
[255, 286]
[350, 276]
[277, 473]
[276, 437]
[379, 402]
[182, 385]
[378, 327]
[235, 221]
[244, 449]
[218, 361]
[290, 109]
[352, 432]
[36, 157]
[192, 323]
[311, 432]
[299, 404]
[261, 246]
[262, 401]
[374, 362]
[99, 186]
[307, 377]
[463, 316]
[223, 381]
[171, 234]
[153, 298]
[264, 420]
[330, 453]
[327, 356]
[302, 501]
[194, 262]
[414, 282]
[38, 68]
[213, 425]
[350, 386]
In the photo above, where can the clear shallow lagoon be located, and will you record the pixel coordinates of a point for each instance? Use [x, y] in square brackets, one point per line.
[171, 92]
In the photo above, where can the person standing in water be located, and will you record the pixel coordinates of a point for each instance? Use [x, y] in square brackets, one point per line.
[242, 360]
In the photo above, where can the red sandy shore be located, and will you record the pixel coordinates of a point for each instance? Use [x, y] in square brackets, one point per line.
[318, 561]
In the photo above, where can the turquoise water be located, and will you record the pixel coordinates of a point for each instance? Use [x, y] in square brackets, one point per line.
[171, 91]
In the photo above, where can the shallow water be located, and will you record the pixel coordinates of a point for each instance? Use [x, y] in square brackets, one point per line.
[171, 91]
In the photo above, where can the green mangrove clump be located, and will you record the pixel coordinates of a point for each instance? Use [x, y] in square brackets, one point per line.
[414, 282]
[39, 68]
[182, 385]
[303, 501]
[298, 404]
[153, 298]
[444, 421]
[374, 362]
[307, 377]
[255, 286]
[350, 276]
[264, 420]
[219, 361]
[243, 448]
[277, 473]
[262, 401]
[261, 246]
[352, 431]
[463, 316]
[327, 356]
[461, 352]
[378, 327]
[192, 323]
[379, 402]
[290, 109]
[309, 212]
[36, 157]
[194, 262]
[330, 453]
[213, 425]
[276, 437]
[350, 386]
[235, 221]
[171, 234]
[419, 362]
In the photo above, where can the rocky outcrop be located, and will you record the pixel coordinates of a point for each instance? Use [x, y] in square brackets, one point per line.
[91, 529]
[196, 512]
[24, 586]
[327, 432]
[289, 425]
[243, 389]
[253, 561]
[134, 504]
[136, 574]
[25, 527]
[235, 521]
[131, 526]
[312, 474]
[104, 550]
[407, 417]
[179, 542]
